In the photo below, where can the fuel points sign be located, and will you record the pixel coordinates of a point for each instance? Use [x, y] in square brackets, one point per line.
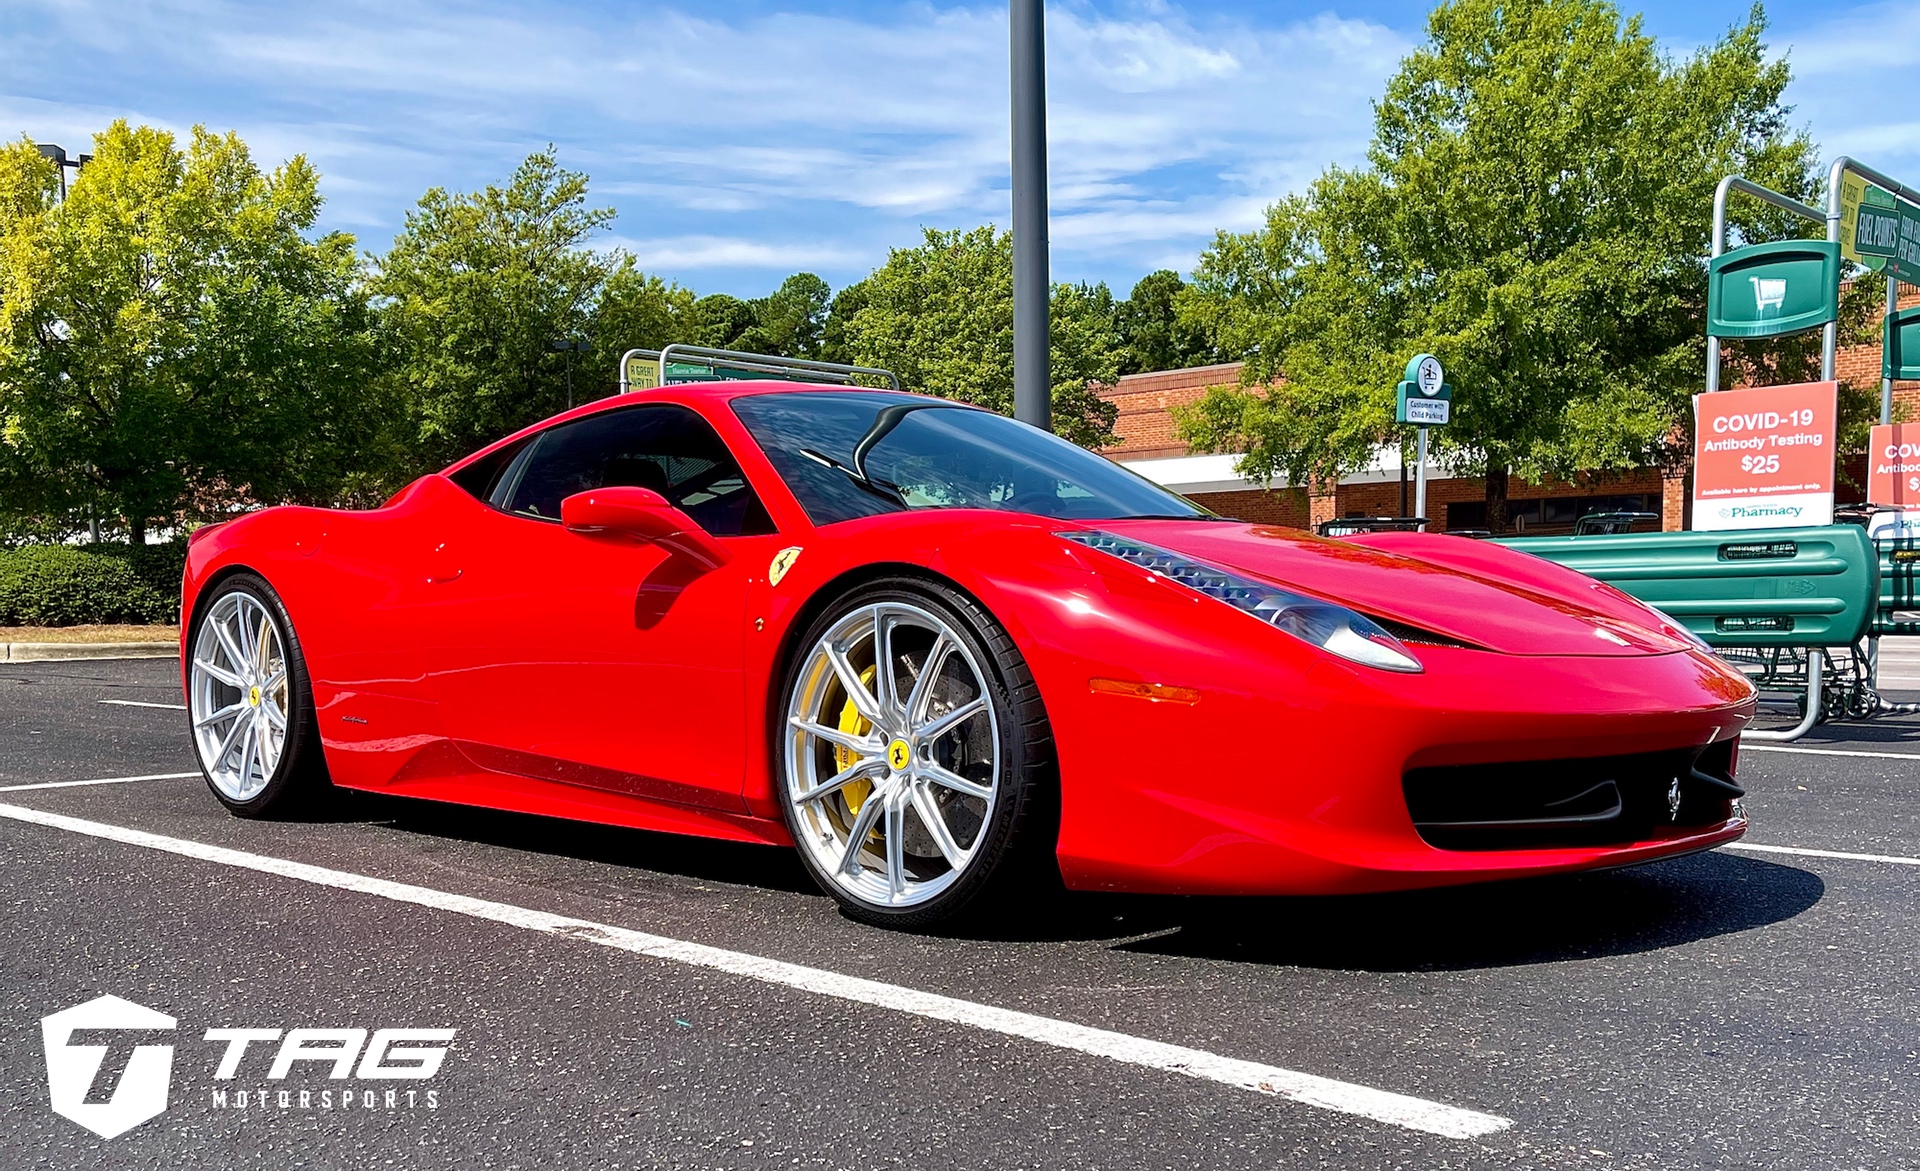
[1763, 458]
[1424, 398]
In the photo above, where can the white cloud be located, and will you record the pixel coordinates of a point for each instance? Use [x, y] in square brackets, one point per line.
[683, 252]
[786, 128]
[739, 147]
[1842, 69]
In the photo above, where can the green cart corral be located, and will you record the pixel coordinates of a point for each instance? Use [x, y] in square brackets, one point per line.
[1778, 601]
[1899, 585]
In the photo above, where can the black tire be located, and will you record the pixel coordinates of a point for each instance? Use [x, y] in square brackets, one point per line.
[299, 779]
[1012, 868]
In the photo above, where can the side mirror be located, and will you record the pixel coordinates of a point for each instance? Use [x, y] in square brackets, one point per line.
[644, 515]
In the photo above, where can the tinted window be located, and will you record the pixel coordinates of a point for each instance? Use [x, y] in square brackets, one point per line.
[937, 455]
[669, 449]
[481, 476]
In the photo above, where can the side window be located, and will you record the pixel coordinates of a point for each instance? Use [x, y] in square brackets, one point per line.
[482, 477]
[666, 448]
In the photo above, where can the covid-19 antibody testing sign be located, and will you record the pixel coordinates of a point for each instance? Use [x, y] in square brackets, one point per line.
[1763, 457]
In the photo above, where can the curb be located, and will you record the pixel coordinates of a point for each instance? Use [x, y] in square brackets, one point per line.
[40, 652]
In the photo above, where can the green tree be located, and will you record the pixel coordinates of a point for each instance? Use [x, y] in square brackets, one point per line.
[1535, 211]
[476, 290]
[788, 321]
[722, 321]
[636, 311]
[941, 316]
[1152, 333]
[835, 344]
[792, 319]
[171, 342]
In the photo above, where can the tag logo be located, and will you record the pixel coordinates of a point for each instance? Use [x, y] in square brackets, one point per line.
[782, 561]
[104, 1070]
[110, 1066]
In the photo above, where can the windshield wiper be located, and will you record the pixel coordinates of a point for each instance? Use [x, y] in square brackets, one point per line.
[887, 491]
[883, 425]
[1174, 516]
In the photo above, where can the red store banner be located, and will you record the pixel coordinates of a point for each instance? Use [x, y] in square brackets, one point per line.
[1764, 457]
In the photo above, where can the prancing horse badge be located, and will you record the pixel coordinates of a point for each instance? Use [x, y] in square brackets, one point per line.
[782, 561]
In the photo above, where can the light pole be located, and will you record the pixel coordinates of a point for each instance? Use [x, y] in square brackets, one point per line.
[1032, 381]
[60, 159]
[570, 349]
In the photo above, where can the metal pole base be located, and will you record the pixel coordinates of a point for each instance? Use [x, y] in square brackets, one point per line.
[1816, 659]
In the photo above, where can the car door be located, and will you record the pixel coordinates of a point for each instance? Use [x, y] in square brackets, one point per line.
[595, 659]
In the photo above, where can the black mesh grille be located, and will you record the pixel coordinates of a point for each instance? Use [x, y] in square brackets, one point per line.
[1595, 800]
[1422, 637]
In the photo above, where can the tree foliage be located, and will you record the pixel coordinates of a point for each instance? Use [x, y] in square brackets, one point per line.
[636, 311]
[475, 292]
[1153, 335]
[1535, 211]
[941, 316]
[171, 342]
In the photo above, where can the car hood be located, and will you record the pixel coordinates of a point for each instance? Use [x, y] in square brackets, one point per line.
[1478, 609]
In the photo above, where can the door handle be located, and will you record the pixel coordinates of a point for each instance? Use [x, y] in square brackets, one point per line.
[440, 574]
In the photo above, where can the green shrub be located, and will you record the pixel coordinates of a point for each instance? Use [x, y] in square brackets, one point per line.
[57, 585]
[160, 566]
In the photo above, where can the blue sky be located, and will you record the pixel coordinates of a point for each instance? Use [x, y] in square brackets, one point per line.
[740, 142]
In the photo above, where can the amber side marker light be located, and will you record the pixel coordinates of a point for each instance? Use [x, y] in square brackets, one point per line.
[1157, 692]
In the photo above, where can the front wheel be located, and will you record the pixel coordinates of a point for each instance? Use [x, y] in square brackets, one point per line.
[916, 762]
[250, 703]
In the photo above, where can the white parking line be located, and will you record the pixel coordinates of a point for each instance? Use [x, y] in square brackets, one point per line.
[97, 781]
[1829, 752]
[1895, 859]
[176, 707]
[1309, 1089]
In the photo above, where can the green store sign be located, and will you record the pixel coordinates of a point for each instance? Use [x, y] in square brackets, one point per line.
[1901, 353]
[1764, 290]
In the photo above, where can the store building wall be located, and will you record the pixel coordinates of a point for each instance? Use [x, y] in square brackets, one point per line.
[1148, 442]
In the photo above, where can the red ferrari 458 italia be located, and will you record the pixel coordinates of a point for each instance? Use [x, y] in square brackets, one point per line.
[942, 652]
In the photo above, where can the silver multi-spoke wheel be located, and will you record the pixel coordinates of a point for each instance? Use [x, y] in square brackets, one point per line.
[892, 757]
[237, 695]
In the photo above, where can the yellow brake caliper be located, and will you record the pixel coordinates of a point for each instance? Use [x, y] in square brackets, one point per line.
[854, 724]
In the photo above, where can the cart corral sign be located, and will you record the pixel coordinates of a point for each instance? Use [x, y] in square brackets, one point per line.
[1764, 458]
[1765, 290]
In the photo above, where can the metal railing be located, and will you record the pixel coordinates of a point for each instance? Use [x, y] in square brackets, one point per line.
[786, 369]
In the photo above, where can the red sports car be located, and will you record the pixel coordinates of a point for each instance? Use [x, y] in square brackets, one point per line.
[943, 652]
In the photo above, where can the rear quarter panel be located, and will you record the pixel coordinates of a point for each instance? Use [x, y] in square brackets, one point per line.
[342, 577]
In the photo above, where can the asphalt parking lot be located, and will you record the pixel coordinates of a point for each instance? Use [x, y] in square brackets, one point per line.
[1744, 1008]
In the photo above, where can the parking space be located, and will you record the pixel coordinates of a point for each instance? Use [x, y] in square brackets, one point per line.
[630, 999]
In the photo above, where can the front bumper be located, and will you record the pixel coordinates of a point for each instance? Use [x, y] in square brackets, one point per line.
[1289, 778]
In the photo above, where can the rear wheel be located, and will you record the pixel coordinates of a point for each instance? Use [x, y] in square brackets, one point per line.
[250, 703]
[915, 759]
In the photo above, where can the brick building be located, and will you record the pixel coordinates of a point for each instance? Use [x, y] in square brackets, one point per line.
[1149, 446]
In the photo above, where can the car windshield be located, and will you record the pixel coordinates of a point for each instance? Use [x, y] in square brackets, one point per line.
[849, 454]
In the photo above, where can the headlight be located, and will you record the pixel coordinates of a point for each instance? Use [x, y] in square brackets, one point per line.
[1332, 628]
